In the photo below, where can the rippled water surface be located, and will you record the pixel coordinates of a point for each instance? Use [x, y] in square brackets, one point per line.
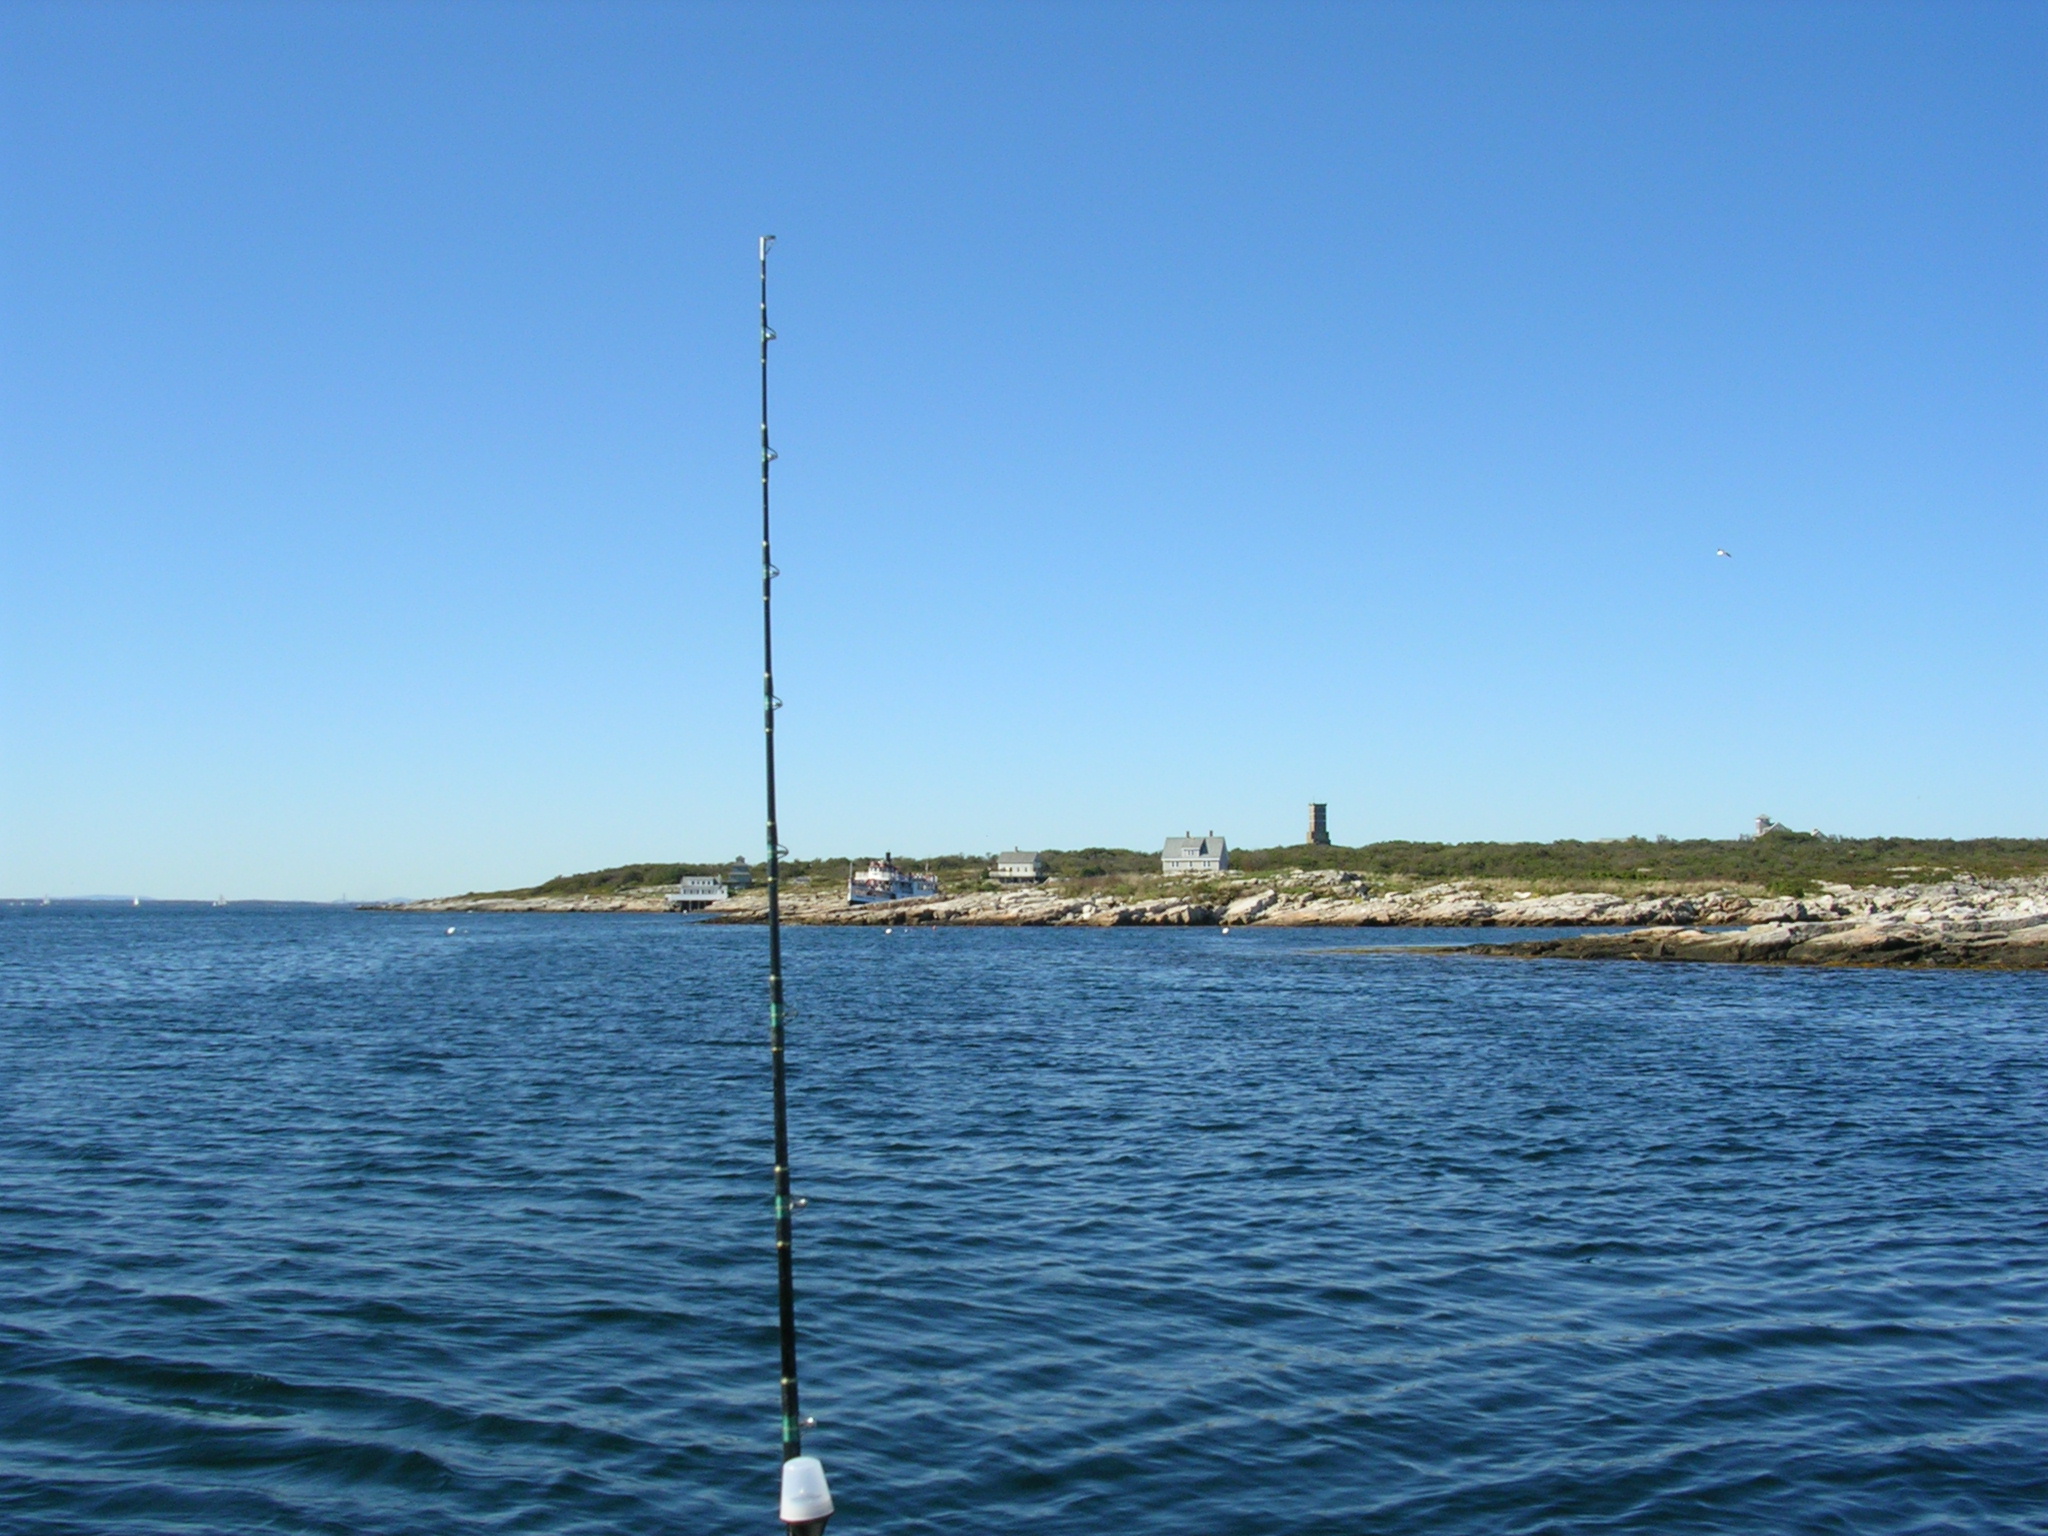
[320, 1221]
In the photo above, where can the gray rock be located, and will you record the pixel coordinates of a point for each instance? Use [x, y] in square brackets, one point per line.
[1884, 940]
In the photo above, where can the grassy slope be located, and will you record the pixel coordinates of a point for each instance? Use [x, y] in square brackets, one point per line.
[1775, 857]
[1784, 862]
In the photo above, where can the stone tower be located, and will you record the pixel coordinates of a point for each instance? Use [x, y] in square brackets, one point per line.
[1319, 824]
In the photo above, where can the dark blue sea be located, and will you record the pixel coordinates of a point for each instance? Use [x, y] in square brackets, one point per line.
[333, 1222]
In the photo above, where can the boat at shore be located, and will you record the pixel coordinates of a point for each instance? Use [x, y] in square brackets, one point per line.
[883, 881]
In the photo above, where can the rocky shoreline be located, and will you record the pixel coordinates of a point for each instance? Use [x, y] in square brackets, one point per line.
[1957, 924]
[1999, 944]
[1340, 899]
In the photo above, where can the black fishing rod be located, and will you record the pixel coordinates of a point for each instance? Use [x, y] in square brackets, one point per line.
[806, 1499]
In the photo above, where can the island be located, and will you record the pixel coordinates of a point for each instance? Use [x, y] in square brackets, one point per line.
[1781, 898]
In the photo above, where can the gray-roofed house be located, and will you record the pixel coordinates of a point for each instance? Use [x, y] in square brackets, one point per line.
[1018, 868]
[1193, 855]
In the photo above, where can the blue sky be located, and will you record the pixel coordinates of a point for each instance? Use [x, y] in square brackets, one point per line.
[1186, 412]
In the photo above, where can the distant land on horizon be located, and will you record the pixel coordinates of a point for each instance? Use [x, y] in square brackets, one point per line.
[1780, 861]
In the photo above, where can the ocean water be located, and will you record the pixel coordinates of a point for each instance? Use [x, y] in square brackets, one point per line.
[323, 1221]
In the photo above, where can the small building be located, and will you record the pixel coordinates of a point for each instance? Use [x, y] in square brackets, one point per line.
[739, 877]
[1318, 824]
[1191, 855]
[693, 893]
[1018, 868]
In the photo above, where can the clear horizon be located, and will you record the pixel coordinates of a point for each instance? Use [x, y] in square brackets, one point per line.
[1186, 413]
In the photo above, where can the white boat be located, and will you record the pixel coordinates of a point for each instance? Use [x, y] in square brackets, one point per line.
[883, 881]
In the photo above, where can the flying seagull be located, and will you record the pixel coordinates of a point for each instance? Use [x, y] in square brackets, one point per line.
[1724, 554]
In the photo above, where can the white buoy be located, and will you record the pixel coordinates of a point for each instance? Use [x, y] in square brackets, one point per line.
[451, 930]
[806, 1500]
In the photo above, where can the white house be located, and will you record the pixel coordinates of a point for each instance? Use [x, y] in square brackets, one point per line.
[1018, 868]
[1194, 856]
[695, 892]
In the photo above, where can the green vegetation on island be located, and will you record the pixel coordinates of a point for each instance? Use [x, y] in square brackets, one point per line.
[1784, 862]
[1779, 863]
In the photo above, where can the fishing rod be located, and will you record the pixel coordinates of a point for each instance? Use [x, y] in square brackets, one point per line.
[806, 1498]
